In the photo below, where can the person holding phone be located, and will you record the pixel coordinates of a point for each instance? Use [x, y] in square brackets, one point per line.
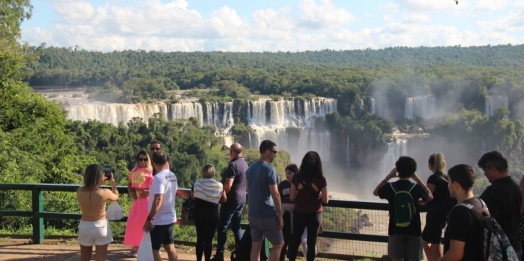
[140, 180]
[94, 229]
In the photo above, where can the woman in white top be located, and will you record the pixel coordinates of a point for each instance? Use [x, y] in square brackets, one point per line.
[94, 228]
[207, 193]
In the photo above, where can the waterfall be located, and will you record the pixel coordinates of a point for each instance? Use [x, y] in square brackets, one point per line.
[115, 113]
[348, 155]
[290, 124]
[185, 111]
[396, 148]
[495, 102]
[421, 106]
[379, 106]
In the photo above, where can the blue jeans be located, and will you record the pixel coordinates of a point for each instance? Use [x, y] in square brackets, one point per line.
[229, 218]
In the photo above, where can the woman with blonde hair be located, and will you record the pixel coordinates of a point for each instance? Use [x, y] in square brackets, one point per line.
[438, 208]
[94, 228]
[207, 193]
[140, 180]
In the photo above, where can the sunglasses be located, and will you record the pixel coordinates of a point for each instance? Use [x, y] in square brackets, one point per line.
[142, 159]
[274, 151]
[154, 148]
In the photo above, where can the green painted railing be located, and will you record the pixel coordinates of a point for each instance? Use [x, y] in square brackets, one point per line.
[38, 214]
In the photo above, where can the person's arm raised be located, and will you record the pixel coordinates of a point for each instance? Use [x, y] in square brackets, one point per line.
[392, 174]
[417, 179]
[113, 193]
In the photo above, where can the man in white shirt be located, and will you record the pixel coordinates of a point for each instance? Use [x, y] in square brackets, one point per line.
[162, 215]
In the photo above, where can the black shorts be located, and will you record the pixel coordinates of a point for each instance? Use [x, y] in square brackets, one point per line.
[162, 235]
[435, 222]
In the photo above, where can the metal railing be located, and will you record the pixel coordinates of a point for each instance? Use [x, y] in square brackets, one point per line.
[348, 234]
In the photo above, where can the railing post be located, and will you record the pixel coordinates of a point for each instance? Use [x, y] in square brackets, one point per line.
[38, 222]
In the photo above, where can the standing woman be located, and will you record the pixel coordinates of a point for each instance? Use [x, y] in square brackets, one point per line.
[308, 191]
[438, 208]
[206, 192]
[284, 188]
[94, 228]
[140, 180]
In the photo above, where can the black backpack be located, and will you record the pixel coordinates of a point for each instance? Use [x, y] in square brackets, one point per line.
[243, 250]
[188, 209]
[496, 244]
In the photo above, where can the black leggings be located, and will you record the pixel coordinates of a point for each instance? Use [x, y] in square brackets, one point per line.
[286, 232]
[206, 221]
[300, 221]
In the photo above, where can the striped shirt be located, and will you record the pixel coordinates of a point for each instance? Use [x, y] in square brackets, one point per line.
[208, 190]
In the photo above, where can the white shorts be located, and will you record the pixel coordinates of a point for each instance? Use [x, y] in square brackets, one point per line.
[94, 233]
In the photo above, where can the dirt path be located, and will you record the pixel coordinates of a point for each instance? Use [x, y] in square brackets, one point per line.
[61, 250]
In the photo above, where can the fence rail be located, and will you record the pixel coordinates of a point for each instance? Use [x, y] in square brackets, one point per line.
[38, 214]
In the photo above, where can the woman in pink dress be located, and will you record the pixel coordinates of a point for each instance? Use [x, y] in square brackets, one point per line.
[140, 180]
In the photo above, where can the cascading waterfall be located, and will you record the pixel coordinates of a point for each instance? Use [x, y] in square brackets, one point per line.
[421, 106]
[290, 124]
[396, 148]
[495, 102]
[379, 106]
[115, 113]
[186, 110]
[348, 155]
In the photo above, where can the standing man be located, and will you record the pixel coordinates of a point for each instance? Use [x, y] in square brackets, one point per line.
[503, 197]
[162, 215]
[153, 147]
[265, 210]
[464, 232]
[234, 181]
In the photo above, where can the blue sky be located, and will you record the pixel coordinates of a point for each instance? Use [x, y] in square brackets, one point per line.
[272, 25]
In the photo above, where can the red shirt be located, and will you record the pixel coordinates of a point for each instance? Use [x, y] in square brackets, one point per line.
[306, 201]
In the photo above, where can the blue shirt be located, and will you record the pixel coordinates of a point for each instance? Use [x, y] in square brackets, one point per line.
[260, 176]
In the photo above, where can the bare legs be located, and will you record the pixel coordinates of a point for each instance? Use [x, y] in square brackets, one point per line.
[100, 254]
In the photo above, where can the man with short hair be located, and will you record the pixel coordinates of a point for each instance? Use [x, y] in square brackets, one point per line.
[234, 181]
[156, 145]
[404, 239]
[503, 197]
[265, 210]
[162, 215]
[464, 232]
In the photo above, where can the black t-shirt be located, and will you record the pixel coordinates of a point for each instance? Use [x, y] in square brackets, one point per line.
[236, 170]
[418, 192]
[504, 200]
[441, 188]
[464, 226]
[284, 188]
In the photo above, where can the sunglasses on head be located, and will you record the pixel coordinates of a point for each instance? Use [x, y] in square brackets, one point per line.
[154, 148]
[142, 159]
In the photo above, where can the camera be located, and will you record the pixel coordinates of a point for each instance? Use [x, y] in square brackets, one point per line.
[107, 172]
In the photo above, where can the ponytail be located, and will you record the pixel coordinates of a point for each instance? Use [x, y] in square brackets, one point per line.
[437, 163]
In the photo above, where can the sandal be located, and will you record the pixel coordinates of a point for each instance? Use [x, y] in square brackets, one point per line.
[133, 252]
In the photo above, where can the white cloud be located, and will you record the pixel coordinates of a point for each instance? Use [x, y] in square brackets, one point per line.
[312, 25]
[324, 15]
[491, 5]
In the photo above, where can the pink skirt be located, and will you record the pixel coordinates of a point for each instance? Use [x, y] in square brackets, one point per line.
[135, 222]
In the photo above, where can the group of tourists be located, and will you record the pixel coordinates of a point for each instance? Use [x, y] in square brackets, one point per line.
[467, 220]
[288, 213]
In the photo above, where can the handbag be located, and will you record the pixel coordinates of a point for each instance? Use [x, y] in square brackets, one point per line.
[145, 250]
[188, 209]
[114, 211]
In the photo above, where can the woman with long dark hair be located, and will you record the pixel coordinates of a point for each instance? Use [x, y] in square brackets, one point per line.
[438, 208]
[94, 228]
[140, 180]
[308, 192]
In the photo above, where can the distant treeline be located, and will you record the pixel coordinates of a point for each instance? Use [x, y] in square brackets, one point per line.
[464, 74]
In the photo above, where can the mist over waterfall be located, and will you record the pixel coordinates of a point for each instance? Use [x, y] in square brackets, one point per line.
[291, 125]
[420, 106]
[115, 113]
[493, 102]
[396, 148]
[379, 106]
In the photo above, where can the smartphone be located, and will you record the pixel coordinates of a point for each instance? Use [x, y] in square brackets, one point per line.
[107, 172]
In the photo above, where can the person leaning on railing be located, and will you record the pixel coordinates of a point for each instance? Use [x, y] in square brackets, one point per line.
[94, 229]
